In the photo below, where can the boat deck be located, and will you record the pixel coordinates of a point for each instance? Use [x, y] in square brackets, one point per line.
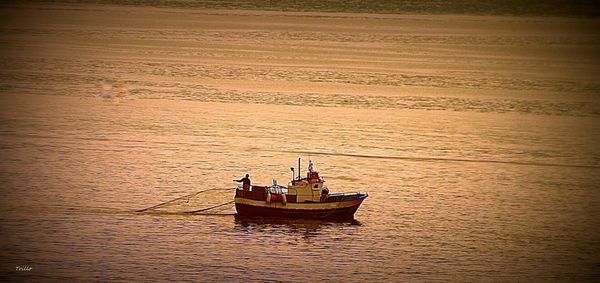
[259, 193]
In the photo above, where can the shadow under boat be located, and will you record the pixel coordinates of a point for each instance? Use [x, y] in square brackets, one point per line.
[306, 227]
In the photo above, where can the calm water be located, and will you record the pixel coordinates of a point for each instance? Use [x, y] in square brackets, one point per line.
[477, 139]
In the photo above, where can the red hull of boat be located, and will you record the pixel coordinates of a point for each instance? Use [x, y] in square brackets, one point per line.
[333, 213]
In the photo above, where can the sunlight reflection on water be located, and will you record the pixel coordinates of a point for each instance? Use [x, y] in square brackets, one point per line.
[476, 138]
[77, 170]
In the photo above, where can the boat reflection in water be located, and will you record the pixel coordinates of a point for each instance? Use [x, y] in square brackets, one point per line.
[302, 198]
[307, 227]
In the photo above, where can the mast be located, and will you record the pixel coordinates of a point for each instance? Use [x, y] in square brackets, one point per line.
[299, 168]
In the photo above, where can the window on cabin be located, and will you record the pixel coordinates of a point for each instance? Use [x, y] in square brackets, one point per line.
[316, 186]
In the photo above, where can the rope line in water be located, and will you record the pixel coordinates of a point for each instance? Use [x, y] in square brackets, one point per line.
[179, 198]
[208, 208]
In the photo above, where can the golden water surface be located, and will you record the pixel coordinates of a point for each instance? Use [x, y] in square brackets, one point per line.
[476, 137]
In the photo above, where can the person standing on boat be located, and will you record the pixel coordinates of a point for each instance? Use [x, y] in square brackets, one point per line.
[245, 182]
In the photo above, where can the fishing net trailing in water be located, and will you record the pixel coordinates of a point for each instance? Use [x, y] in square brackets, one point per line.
[204, 202]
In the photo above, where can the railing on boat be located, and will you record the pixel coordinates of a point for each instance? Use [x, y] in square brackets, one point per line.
[259, 193]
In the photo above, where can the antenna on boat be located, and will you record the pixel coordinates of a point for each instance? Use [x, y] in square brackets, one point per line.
[293, 174]
[299, 168]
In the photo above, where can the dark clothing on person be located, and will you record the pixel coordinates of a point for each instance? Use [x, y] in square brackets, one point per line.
[245, 183]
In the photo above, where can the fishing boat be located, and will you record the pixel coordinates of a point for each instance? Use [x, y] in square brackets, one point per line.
[302, 198]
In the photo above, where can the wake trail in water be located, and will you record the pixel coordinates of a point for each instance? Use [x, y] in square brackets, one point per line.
[442, 159]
